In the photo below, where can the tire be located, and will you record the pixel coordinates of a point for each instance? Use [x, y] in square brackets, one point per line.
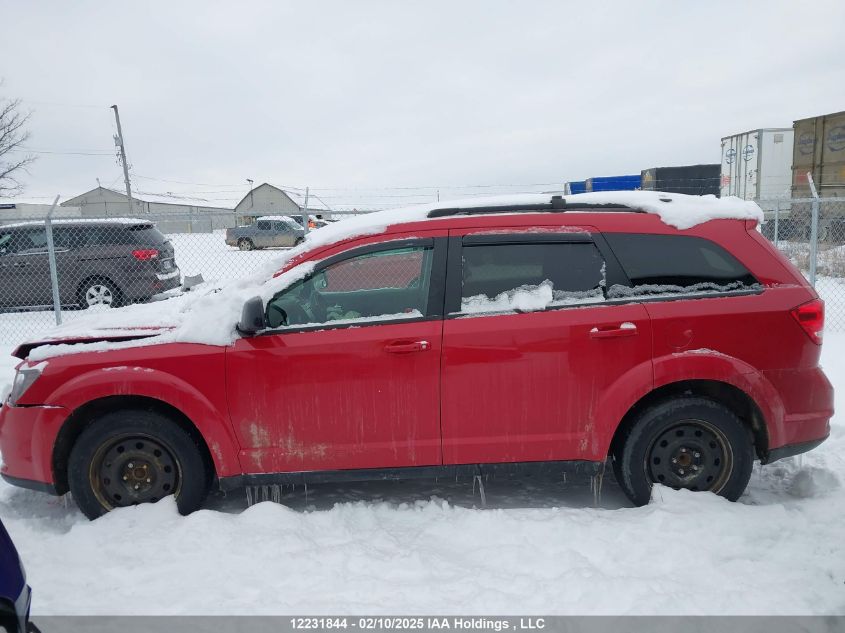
[298, 241]
[245, 244]
[99, 291]
[132, 456]
[686, 442]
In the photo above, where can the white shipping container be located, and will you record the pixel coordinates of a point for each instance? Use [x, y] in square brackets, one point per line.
[757, 165]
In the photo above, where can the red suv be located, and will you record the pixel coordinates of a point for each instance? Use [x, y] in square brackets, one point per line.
[466, 341]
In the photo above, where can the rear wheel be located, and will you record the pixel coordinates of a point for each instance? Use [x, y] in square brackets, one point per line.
[129, 457]
[99, 291]
[689, 442]
[245, 244]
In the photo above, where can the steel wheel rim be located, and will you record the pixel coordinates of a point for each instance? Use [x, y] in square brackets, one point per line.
[133, 468]
[691, 454]
[99, 294]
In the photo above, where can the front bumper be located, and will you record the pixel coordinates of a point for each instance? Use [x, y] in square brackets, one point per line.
[27, 437]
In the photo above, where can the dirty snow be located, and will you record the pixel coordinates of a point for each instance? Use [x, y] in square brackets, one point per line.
[427, 547]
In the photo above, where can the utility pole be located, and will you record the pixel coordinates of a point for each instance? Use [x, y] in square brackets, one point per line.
[251, 201]
[118, 140]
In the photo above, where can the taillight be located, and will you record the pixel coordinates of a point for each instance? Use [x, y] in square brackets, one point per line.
[810, 316]
[145, 254]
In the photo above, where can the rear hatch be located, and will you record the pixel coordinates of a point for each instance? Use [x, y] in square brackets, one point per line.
[149, 239]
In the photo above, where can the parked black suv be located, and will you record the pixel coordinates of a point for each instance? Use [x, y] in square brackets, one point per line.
[99, 262]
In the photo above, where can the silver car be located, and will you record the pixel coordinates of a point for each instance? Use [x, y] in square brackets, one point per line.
[266, 231]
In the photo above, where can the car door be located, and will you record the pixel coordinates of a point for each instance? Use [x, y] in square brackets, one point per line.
[31, 268]
[10, 286]
[281, 234]
[263, 236]
[531, 345]
[348, 375]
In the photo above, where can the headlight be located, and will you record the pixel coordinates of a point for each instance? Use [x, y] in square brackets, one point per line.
[24, 379]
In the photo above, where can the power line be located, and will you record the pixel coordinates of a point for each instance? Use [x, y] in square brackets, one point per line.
[62, 152]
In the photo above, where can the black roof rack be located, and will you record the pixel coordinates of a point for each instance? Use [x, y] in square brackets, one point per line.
[557, 204]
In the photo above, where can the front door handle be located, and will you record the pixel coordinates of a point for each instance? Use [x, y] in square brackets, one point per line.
[20, 264]
[406, 347]
[622, 330]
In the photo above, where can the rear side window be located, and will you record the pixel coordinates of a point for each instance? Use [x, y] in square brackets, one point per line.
[657, 264]
[146, 234]
[500, 277]
[263, 225]
[132, 235]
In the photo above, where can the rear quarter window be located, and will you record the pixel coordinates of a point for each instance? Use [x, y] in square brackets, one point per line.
[657, 264]
[119, 234]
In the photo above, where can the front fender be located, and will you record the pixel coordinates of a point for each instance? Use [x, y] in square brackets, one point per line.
[210, 420]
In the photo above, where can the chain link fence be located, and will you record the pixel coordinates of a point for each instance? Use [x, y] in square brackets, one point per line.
[106, 262]
[789, 225]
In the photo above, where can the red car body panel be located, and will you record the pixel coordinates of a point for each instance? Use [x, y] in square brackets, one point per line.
[336, 399]
[526, 387]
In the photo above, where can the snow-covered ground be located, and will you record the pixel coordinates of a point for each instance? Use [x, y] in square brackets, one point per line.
[540, 546]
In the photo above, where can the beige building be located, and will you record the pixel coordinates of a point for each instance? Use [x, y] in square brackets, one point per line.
[172, 214]
[265, 199]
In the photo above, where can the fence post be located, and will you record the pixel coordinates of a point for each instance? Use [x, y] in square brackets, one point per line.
[777, 217]
[814, 230]
[51, 255]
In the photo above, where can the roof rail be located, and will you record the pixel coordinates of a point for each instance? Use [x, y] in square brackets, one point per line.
[557, 204]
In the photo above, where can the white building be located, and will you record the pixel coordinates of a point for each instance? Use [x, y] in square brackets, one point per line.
[265, 199]
[172, 213]
[14, 210]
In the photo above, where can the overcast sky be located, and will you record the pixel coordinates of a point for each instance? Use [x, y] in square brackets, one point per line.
[360, 99]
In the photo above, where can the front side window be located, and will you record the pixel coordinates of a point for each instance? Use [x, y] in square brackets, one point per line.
[667, 264]
[533, 276]
[7, 242]
[27, 241]
[389, 284]
[280, 227]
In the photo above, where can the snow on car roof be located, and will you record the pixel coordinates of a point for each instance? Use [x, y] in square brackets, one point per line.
[64, 221]
[209, 315]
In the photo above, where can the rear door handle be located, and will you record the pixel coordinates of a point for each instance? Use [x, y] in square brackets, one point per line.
[20, 264]
[406, 347]
[624, 329]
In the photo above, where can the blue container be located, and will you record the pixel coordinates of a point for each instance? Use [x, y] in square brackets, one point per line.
[579, 186]
[614, 183]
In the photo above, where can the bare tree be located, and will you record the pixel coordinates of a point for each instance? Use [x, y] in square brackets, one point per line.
[13, 135]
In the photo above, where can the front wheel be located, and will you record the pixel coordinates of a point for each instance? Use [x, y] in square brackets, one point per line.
[688, 442]
[129, 457]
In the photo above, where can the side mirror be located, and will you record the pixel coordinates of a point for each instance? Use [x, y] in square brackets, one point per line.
[252, 317]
